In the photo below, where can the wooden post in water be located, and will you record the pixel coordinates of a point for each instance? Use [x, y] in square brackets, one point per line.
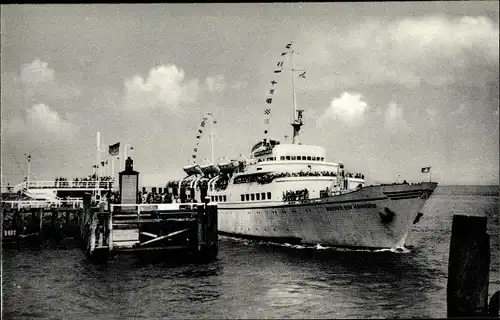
[468, 267]
[40, 215]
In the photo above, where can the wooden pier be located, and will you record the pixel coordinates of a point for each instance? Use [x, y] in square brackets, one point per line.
[34, 220]
[147, 227]
[107, 230]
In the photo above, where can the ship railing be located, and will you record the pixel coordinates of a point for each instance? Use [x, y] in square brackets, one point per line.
[19, 204]
[90, 184]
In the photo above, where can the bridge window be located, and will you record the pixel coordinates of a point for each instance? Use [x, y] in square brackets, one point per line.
[242, 197]
[225, 199]
[252, 197]
[282, 158]
[247, 197]
[257, 196]
[263, 194]
[269, 195]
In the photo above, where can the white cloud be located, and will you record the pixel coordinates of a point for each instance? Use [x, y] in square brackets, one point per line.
[436, 50]
[36, 72]
[394, 116]
[38, 82]
[216, 83]
[165, 86]
[348, 108]
[39, 121]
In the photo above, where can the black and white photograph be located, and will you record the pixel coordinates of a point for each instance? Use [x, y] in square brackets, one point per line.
[250, 160]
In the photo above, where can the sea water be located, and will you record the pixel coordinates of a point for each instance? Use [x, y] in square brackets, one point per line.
[255, 279]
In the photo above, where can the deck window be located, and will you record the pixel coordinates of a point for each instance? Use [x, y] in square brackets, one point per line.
[247, 197]
[269, 195]
[294, 157]
[257, 196]
[314, 158]
[308, 157]
[252, 197]
[225, 199]
[263, 194]
[322, 158]
[288, 157]
[282, 158]
[242, 197]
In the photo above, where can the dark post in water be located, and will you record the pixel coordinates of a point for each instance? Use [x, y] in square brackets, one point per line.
[468, 267]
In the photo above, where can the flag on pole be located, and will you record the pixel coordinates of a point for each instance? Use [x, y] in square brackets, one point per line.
[114, 149]
[267, 111]
[273, 82]
[269, 100]
[288, 46]
[303, 75]
[426, 169]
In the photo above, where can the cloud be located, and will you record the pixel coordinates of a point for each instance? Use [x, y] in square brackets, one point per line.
[348, 108]
[39, 121]
[216, 83]
[36, 81]
[36, 72]
[431, 114]
[436, 50]
[394, 116]
[165, 86]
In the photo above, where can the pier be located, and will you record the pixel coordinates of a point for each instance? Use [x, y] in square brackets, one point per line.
[105, 230]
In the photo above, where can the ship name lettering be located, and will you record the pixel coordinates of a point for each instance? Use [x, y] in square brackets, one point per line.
[351, 206]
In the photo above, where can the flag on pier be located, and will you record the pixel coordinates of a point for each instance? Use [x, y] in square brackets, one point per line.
[114, 149]
[426, 169]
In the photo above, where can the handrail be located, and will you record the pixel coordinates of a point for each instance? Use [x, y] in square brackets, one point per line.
[44, 203]
[89, 184]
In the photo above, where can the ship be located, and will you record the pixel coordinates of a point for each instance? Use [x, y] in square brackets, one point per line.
[292, 193]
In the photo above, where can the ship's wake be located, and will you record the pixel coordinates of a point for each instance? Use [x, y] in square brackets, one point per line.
[317, 247]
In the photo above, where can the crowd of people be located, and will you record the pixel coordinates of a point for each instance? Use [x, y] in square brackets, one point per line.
[355, 175]
[269, 177]
[296, 195]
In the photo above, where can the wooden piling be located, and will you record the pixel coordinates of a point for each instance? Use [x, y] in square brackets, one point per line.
[468, 267]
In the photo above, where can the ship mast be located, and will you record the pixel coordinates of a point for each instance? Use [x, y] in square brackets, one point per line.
[297, 114]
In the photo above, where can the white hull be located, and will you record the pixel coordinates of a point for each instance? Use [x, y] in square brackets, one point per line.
[351, 219]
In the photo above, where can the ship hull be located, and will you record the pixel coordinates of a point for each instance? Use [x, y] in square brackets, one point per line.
[372, 217]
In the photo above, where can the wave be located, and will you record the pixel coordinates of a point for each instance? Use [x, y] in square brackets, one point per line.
[317, 247]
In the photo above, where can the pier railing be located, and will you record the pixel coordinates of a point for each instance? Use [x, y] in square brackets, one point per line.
[20, 204]
[90, 184]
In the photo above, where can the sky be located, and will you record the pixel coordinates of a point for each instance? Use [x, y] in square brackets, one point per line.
[390, 87]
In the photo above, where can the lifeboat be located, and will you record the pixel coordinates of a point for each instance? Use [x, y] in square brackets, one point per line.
[193, 169]
[228, 166]
[210, 169]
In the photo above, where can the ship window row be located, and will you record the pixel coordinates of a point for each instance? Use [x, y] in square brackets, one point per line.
[256, 196]
[310, 158]
[218, 198]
